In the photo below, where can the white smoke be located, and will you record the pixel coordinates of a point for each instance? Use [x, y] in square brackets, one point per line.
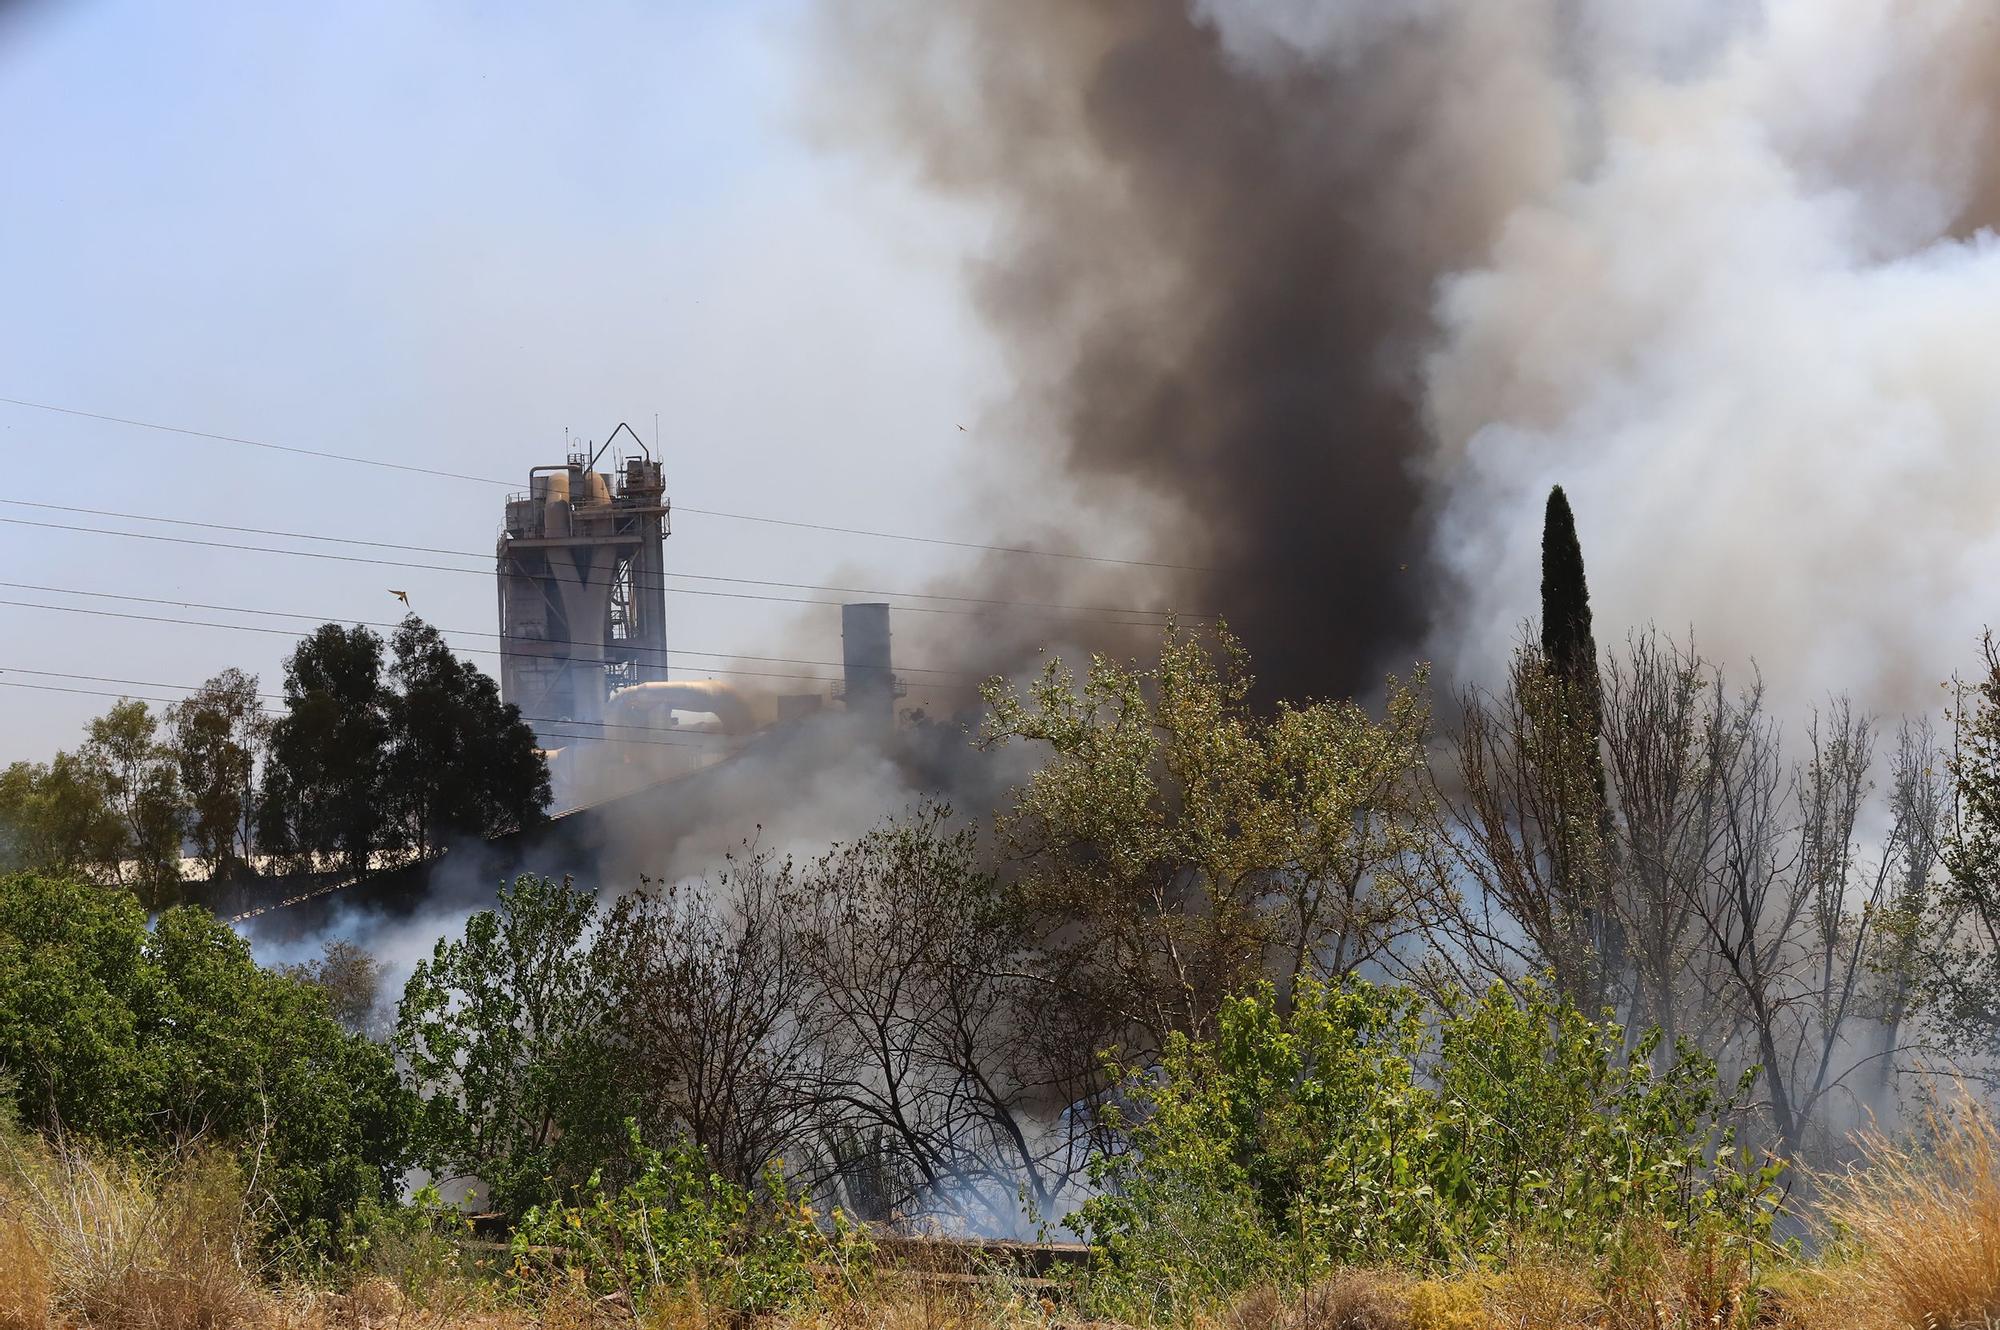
[1750, 327]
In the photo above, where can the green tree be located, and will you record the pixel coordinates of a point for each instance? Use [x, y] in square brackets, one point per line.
[1179, 847]
[460, 762]
[214, 736]
[1567, 642]
[323, 782]
[139, 779]
[504, 1034]
[1569, 708]
[57, 817]
[156, 1037]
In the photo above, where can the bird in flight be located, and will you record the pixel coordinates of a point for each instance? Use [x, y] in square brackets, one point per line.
[403, 596]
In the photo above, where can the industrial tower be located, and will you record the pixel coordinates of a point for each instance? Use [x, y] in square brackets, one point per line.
[583, 608]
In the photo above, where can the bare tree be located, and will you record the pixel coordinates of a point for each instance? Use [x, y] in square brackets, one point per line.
[1514, 813]
[714, 1006]
[1668, 748]
[1792, 905]
[941, 1044]
[1915, 911]
[351, 978]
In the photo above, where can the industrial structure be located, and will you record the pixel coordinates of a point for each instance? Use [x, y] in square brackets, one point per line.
[583, 636]
[583, 608]
[869, 685]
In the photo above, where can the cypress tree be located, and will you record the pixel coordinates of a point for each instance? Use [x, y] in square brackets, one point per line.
[1569, 652]
[1567, 645]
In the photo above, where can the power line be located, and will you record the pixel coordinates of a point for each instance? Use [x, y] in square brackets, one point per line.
[451, 632]
[83, 692]
[704, 512]
[241, 530]
[250, 443]
[685, 576]
[480, 572]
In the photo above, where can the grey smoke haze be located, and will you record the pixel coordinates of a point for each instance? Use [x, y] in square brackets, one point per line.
[794, 792]
[1748, 326]
[1322, 297]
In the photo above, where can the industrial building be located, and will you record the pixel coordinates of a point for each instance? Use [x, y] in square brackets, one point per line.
[580, 564]
[583, 607]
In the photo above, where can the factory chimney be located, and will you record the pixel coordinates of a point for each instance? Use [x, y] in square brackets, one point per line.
[870, 686]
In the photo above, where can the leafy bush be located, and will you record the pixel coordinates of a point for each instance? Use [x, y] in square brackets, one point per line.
[417, 1246]
[152, 1038]
[504, 1034]
[1358, 1127]
[680, 1229]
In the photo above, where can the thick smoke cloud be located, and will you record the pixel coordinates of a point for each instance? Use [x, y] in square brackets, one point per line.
[1750, 331]
[1324, 296]
[1217, 235]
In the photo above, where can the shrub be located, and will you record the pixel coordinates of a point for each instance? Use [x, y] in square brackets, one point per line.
[106, 1238]
[1920, 1222]
[1346, 1300]
[679, 1230]
[503, 1032]
[415, 1246]
[1359, 1128]
[148, 1038]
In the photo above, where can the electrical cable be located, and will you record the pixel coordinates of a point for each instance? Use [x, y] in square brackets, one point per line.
[647, 730]
[692, 577]
[454, 632]
[296, 636]
[355, 460]
[675, 590]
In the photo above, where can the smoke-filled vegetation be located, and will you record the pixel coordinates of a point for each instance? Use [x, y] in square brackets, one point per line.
[1605, 994]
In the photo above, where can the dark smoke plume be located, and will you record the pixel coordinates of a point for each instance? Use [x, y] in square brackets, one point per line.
[1214, 266]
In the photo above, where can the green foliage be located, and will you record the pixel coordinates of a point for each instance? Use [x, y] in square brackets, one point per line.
[143, 787]
[214, 736]
[1181, 846]
[1361, 1129]
[399, 756]
[321, 796]
[57, 818]
[417, 1245]
[459, 761]
[111, 811]
[677, 1228]
[1567, 642]
[73, 964]
[152, 1038]
[1563, 696]
[504, 1034]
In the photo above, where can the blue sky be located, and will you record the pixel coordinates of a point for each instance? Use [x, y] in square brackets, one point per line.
[442, 234]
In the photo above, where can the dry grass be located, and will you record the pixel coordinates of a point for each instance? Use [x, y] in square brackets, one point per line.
[1348, 1300]
[90, 1240]
[1921, 1224]
[95, 1239]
